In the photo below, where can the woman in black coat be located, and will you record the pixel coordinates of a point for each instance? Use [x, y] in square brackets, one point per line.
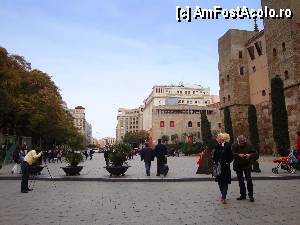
[223, 155]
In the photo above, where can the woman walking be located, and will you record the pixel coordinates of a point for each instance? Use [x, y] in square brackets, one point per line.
[223, 156]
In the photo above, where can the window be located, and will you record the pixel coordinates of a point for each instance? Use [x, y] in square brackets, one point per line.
[222, 81]
[162, 124]
[263, 93]
[274, 52]
[196, 102]
[172, 124]
[251, 52]
[190, 124]
[240, 54]
[198, 124]
[229, 98]
[258, 48]
[241, 70]
[254, 69]
[286, 75]
[283, 47]
[223, 99]
[227, 78]
[220, 125]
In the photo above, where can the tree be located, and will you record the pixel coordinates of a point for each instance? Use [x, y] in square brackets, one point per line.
[279, 117]
[208, 142]
[254, 137]
[136, 138]
[165, 138]
[31, 104]
[174, 138]
[206, 132]
[228, 123]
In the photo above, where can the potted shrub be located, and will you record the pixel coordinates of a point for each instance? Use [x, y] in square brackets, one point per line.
[118, 156]
[73, 156]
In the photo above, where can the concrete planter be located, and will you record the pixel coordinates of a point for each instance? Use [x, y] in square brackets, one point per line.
[117, 170]
[72, 170]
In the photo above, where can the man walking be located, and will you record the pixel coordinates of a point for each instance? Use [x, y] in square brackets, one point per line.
[160, 153]
[148, 156]
[31, 158]
[243, 154]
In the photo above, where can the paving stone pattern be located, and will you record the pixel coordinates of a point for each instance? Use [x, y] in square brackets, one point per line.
[104, 203]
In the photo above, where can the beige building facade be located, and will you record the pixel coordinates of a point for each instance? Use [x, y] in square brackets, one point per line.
[129, 120]
[162, 95]
[248, 60]
[83, 127]
[182, 122]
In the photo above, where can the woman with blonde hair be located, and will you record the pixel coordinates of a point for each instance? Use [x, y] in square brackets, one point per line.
[223, 157]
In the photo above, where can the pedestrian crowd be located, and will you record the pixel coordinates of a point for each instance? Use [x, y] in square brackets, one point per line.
[241, 153]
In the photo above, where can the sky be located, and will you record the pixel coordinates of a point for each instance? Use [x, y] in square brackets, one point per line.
[106, 55]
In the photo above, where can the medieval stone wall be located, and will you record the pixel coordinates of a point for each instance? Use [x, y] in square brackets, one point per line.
[283, 53]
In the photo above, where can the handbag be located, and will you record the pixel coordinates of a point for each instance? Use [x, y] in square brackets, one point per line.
[216, 172]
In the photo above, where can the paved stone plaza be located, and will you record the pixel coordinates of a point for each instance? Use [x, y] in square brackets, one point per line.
[71, 202]
[277, 203]
[180, 167]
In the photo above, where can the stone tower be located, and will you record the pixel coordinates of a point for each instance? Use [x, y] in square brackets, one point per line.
[234, 78]
[283, 53]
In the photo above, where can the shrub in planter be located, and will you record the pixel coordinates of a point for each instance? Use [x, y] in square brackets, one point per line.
[73, 158]
[119, 154]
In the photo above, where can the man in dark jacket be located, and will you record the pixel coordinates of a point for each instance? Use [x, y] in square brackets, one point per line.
[147, 155]
[243, 154]
[161, 154]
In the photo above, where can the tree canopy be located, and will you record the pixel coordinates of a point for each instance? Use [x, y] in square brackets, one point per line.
[31, 105]
[136, 138]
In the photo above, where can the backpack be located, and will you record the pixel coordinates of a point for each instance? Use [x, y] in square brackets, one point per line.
[16, 157]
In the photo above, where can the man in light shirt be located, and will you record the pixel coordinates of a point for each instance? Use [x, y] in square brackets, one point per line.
[31, 158]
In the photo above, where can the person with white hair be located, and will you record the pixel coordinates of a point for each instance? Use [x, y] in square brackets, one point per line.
[243, 154]
[223, 157]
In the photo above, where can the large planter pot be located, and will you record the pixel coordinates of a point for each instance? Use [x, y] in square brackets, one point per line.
[117, 170]
[72, 170]
[35, 170]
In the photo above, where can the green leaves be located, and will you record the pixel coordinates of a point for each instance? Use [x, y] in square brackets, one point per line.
[31, 105]
[119, 154]
[136, 138]
[279, 117]
[206, 132]
[228, 123]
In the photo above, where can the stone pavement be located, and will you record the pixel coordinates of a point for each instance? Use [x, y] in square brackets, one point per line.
[180, 168]
[138, 203]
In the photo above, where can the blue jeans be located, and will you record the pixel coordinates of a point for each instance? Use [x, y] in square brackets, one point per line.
[223, 188]
[148, 166]
[25, 176]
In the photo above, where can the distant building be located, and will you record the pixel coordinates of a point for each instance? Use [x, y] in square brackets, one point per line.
[109, 141]
[88, 132]
[162, 95]
[129, 120]
[81, 124]
[172, 111]
[182, 122]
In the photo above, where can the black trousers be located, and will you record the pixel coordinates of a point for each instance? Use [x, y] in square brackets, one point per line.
[240, 175]
[223, 189]
[160, 166]
[25, 176]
